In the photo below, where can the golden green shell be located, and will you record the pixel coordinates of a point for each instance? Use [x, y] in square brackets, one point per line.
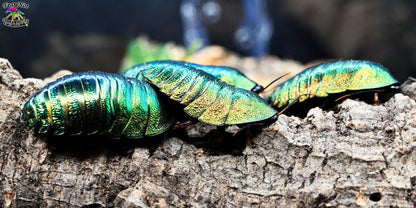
[329, 78]
[207, 98]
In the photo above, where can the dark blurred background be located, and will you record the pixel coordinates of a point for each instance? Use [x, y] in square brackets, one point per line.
[82, 35]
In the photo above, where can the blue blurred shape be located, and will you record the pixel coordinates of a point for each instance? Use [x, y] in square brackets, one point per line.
[256, 29]
[193, 28]
[252, 36]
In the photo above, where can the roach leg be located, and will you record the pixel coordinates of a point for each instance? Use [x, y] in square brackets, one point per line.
[376, 100]
[342, 97]
[247, 134]
[248, 139]
[247, 127]
[293, 102]
[360, 92]
[276, 127]
[183, 125]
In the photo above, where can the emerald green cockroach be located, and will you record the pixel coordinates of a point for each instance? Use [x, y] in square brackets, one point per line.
[97, 103]
[227, 74]
[206, 97]
[331, 78]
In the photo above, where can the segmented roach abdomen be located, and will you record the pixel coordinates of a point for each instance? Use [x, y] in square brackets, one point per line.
[206, 97]
[329, 78]
[97, 103]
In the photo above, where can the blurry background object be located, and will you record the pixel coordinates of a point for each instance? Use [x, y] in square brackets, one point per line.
[84, 35]
[201, 18]
[256, 29]
[263, 70]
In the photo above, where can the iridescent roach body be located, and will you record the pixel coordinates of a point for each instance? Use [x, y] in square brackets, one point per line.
[330, 78]
[97, 103]
[230, 76]
[205, 97]
[227, 74]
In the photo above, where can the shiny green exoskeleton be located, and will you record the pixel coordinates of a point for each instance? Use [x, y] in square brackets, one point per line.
[207, 98]
[97, 103]
[227, 74]
[330, 78]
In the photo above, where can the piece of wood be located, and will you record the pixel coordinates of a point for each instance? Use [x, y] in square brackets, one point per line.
[361, 155]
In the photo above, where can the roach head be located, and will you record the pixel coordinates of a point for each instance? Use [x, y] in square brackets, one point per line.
[28, 115]
[257, 89]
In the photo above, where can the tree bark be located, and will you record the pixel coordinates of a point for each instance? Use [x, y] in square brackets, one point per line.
[358, 155]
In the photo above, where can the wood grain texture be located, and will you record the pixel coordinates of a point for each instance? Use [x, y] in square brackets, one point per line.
[361, 155]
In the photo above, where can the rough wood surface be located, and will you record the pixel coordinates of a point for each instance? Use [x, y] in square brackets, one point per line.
[359, 155]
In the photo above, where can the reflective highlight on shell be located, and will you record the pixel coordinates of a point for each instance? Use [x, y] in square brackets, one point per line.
[227, 74]
[97, 103]
[329, 78]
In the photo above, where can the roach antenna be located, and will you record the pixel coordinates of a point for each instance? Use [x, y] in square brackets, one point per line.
[270, 84]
